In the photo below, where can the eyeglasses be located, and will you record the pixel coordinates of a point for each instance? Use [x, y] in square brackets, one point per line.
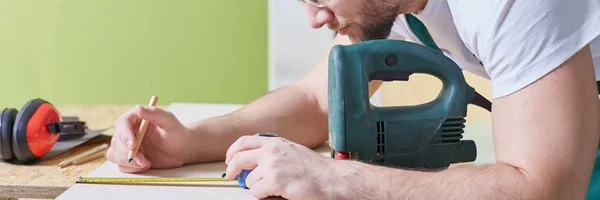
[316, 3]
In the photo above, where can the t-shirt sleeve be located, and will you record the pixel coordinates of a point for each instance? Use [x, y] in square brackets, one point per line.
[519, 42]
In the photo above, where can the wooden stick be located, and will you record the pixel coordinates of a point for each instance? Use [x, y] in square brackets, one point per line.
[140, 134]
[82, 155]
[91, 157]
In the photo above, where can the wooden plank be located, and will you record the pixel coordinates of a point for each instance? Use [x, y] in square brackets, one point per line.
[45, 179]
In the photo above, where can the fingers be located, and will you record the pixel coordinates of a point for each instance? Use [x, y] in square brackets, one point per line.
[140, 164]
[265, 188]
[255, 176]
[159, 117]
[127, 124]
[242, 160]
[118, 155]
[122, 143]
[124, 129]
[245, 143]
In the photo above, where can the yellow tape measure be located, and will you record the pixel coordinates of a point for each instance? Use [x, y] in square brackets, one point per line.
[107, 180]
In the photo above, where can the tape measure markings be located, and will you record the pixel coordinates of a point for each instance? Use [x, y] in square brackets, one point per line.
[145, 180]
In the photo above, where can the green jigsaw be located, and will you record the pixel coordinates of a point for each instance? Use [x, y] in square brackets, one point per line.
[427, 135]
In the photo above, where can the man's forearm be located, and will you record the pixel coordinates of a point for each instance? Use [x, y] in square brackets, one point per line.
[290, 112]
[492, 181]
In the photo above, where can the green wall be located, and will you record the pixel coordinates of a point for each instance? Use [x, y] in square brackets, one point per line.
[122, 52]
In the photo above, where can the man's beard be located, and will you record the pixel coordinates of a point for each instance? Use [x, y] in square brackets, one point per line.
[373, 31]
[379, 18]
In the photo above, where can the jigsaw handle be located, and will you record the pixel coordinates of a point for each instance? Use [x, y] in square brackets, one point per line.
[396, 60]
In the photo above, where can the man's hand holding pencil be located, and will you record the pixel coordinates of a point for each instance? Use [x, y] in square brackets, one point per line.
[162, 145]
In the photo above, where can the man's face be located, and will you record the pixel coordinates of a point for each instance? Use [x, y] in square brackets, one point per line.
[361, 20]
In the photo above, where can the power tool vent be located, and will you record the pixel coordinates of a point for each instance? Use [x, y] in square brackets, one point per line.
[451, 130]
[380, 138]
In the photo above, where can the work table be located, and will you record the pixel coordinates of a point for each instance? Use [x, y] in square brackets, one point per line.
[46, 180]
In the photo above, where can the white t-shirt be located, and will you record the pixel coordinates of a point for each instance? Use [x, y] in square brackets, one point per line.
[518, 42]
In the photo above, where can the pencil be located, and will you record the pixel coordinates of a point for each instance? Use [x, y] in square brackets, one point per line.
[140, 134]
[83, 155]
[94, 156]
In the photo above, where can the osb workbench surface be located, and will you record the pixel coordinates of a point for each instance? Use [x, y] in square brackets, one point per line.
[45, 179]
